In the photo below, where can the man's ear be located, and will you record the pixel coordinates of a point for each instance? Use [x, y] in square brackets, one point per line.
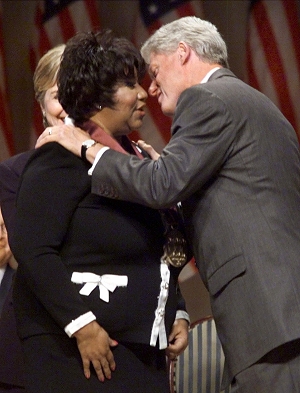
[184, 52]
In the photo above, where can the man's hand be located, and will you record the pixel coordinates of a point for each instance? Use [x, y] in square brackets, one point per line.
[94, 346]
[178, 338]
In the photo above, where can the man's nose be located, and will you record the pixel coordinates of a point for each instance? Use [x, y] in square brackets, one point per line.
[152, 89]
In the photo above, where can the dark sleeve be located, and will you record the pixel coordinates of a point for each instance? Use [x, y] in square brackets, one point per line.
[202, 133]
[53, 183]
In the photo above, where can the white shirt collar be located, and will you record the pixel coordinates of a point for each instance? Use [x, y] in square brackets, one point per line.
[209, 74]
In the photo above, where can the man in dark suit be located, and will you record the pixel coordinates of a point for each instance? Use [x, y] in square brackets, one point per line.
[233, 160]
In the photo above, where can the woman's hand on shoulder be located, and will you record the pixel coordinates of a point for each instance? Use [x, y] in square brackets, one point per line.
[68, 136]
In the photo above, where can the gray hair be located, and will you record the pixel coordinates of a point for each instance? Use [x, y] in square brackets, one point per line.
[200, 35]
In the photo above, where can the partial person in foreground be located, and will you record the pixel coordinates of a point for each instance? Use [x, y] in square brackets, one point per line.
[233, 160]
[11, 370]
[71, 244]
[44, 80]
[8, 264]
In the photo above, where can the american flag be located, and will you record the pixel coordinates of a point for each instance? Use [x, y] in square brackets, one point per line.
[55, 22]
[152, 15]
[6, 135]
[273, 54]
[156, 126]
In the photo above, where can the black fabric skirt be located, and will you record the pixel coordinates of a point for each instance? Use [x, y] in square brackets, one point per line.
[53, 365]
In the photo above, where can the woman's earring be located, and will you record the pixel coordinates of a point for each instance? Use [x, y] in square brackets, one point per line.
[45, 121]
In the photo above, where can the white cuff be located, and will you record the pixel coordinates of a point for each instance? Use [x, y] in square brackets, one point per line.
[97, 158]
[79, 323]
[181, 314]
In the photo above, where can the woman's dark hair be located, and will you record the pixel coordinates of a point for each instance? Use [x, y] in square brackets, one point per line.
[93, 65]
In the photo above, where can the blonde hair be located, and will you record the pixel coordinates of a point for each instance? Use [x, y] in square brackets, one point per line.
[45, 75]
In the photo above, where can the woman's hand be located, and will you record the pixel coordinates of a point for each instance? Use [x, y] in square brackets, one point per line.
[94, 346]
[68, 136]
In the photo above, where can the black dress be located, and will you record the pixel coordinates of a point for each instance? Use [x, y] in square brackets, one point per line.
[62, 228]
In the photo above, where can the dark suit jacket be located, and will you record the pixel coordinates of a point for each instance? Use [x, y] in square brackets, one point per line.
[233, 160]
[5, 285]
[12, 369]
[61, 228]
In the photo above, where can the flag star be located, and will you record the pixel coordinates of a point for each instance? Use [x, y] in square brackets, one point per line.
[152, 8]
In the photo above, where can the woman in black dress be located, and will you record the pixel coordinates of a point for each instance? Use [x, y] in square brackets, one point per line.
[92, 290]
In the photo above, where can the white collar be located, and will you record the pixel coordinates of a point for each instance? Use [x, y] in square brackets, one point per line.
[209, 74]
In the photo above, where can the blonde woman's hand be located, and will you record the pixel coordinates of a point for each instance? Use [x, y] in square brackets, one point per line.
[68, 136]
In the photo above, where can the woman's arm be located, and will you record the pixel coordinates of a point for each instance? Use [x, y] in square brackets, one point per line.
[51, 187]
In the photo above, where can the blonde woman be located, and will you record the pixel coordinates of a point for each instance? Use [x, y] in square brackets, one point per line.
[45, 77]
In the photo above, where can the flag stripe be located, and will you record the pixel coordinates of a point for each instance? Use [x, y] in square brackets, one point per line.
[273, 54]
[92, 12]
[62, 21]
[284, 40]
[293, 22]
[274, 61]
[260, 78]
[66, 24]
[6, 135]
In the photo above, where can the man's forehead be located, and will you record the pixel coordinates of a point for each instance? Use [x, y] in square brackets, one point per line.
[153, 59]
[156, 59]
